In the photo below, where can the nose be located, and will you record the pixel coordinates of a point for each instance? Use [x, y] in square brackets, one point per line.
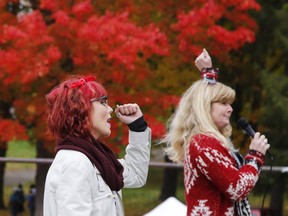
[230, 109]
[110, 110]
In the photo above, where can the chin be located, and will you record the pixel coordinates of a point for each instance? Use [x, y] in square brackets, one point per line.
[106, 134]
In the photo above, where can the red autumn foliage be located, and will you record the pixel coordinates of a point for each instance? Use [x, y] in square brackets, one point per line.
[29, 52]
[220, 26]
[63, 38]
[11, 130]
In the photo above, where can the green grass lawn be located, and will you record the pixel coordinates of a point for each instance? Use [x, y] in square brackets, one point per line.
[139, 201]
[21, 149]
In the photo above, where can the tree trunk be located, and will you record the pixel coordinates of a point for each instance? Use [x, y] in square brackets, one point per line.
[35, 4]
[2, 174]
[40, 176]
[169, 184]
[5, 114]
[277, 194]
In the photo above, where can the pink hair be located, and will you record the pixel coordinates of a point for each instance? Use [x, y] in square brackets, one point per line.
[69, 107]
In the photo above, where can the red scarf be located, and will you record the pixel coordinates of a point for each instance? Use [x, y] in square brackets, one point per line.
[100, 155]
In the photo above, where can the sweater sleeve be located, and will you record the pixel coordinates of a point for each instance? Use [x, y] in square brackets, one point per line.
[215, 162]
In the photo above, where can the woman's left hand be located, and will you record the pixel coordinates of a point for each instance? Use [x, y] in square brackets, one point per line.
[259, 143]
[127, 113]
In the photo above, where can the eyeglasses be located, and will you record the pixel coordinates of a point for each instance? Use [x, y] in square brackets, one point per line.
[103, 100]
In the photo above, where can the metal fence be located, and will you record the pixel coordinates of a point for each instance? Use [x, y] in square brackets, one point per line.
[278, 169]
[265, 211]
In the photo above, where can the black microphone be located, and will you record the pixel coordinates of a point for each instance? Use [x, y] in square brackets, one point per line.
[245, 126]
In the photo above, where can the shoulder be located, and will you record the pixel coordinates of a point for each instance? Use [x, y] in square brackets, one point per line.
[70, 167]
[205, 140]
[68, 159]
[70, 155]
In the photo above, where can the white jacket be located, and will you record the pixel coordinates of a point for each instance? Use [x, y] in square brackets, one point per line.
[74, 187]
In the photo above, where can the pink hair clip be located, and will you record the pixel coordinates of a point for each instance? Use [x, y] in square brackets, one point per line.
[82, 81]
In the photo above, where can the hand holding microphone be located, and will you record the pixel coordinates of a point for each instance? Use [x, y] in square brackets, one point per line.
[259, 142]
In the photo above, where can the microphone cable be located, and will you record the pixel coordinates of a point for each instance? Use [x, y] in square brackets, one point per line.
[246, 127]
[267, 186]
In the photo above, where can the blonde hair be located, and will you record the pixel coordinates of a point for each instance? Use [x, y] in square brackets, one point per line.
[193, 116]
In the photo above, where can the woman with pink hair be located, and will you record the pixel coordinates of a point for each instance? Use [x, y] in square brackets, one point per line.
[85, 177]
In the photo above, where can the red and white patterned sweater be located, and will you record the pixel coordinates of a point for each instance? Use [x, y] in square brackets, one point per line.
[212, 180]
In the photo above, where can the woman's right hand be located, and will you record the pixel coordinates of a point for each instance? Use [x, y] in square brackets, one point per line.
[203, 60]
[127, 113]
[259, 143]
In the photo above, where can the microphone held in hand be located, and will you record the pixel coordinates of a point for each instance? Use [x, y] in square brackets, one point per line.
[245, 126]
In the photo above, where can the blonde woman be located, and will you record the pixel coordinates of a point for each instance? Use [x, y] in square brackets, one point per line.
[217, 178]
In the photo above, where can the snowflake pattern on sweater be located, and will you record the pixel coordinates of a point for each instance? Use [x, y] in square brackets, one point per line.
[201, 209]
[213, 183]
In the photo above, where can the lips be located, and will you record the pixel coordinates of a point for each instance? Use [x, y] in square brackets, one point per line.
[109, 122]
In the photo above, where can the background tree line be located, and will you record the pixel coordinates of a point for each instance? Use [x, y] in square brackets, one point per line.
[143, 51]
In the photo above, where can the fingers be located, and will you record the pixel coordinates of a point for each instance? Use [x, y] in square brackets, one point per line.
[260, 143]
[203, 60]
[126, 109]
[205, 53]
[128, 113]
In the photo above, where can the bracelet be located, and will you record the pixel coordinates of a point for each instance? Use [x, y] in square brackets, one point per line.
[256, 157]
[257, 154]
[210, 75]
